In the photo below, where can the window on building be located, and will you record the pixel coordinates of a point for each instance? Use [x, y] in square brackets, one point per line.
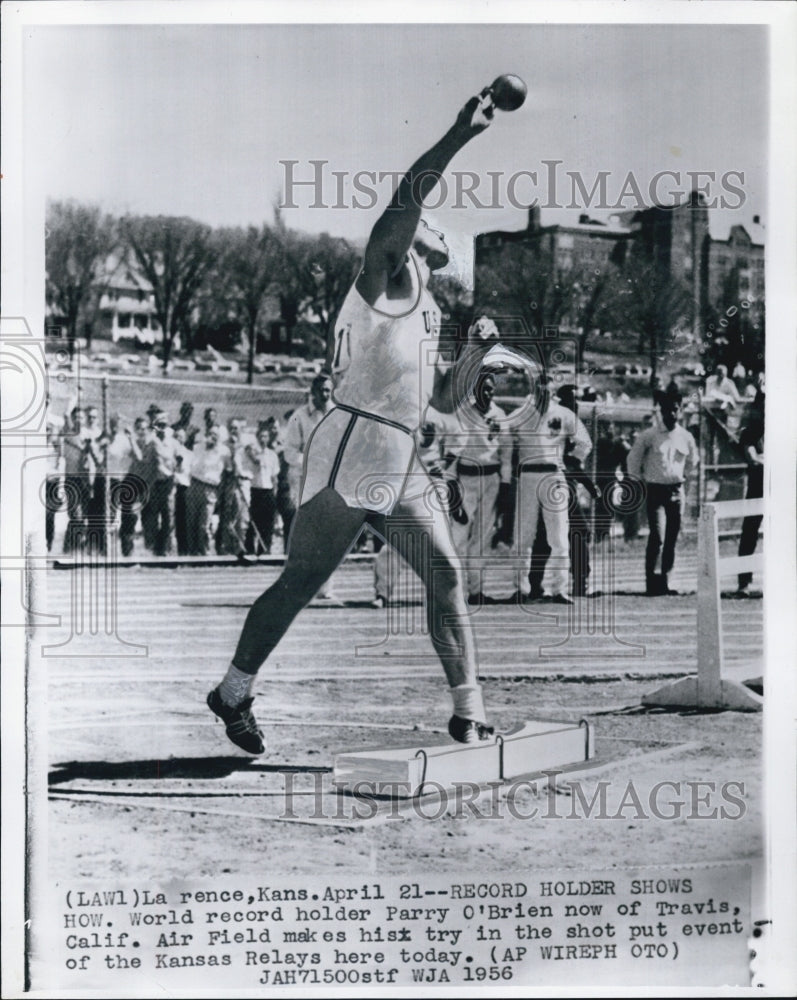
[154, 324]
[744, 283]
[123, 320]
[141, 321]
[742, 262]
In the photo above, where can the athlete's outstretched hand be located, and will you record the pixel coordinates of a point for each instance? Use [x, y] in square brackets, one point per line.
[477, 114]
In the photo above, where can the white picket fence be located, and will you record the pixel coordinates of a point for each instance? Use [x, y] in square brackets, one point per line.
[708, 689]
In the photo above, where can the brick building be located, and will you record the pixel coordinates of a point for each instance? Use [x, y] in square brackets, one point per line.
[677, 239]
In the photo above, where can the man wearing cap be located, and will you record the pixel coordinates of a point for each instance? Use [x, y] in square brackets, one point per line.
[549, 432]
[483, 446]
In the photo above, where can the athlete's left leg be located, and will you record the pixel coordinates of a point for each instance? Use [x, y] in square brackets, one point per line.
[420, 532]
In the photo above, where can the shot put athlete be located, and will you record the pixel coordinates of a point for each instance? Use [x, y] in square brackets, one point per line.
[361, 463]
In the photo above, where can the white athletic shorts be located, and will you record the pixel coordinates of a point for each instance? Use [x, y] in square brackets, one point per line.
[366, 459]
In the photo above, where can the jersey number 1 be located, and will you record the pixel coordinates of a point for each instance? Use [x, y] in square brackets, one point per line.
[344, 332]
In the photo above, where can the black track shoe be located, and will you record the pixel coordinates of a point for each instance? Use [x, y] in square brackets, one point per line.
[468, 731]
[242, 727]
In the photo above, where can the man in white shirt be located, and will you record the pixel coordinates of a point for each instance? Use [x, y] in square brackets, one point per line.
[303, 421]
[158, 512]
[264, 466]
[79, 450]
[721, 392]
[483, 446]
[301, 425]
[207, 467]
[118, 450]
[542, 440]
[234, 497]
[663, 456]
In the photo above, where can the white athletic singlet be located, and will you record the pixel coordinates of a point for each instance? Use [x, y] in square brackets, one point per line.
[384, 364]
[383, 367]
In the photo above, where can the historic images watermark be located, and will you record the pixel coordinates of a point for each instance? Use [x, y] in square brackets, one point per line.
[316, 185]
[539, 798]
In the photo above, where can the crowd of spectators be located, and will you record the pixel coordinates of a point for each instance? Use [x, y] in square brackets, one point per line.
[186, 489]
[176, 486]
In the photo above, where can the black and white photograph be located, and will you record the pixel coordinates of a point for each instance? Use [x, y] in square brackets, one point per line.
[398, 534]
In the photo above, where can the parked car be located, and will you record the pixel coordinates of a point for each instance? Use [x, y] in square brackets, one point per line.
[183, 365]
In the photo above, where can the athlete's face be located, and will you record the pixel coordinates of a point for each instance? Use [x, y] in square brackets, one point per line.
[431, 244]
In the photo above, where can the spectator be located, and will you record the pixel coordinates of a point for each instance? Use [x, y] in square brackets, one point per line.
[79, 470]
[152, 411]
[158, 511]
[663, 457]
[721, 393]
[578, 531]
[609, 458]
[54, 489]
[302, 423]
[134, 489]
[752, 442]
[190, 431]
[631, 515]
[579, 534]
[264, 465]
[286, 508]
[739, 375]
[207, 465]
[212, 420]
[182, 480]
[542, 489]
[96, 442]
[234, 494]
[483, 468]
[118, 448]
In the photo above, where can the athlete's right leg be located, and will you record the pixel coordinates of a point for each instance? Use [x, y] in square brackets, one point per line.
[323, 530]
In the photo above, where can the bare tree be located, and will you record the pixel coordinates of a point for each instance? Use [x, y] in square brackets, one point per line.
[174, 255]
[79, 239]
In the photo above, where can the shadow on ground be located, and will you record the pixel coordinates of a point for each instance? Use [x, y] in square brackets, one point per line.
[173, 767]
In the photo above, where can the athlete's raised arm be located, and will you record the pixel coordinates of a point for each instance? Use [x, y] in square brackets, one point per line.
[395, 230]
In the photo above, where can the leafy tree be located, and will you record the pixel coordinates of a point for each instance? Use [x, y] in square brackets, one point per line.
[174, 254]
[653, 304]
[79, 239]
[249, 262]
[736, 325]
[314, 276]
[528, 283]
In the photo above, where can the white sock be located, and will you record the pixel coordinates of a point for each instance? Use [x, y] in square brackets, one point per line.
[236, 686]
[468, 702]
